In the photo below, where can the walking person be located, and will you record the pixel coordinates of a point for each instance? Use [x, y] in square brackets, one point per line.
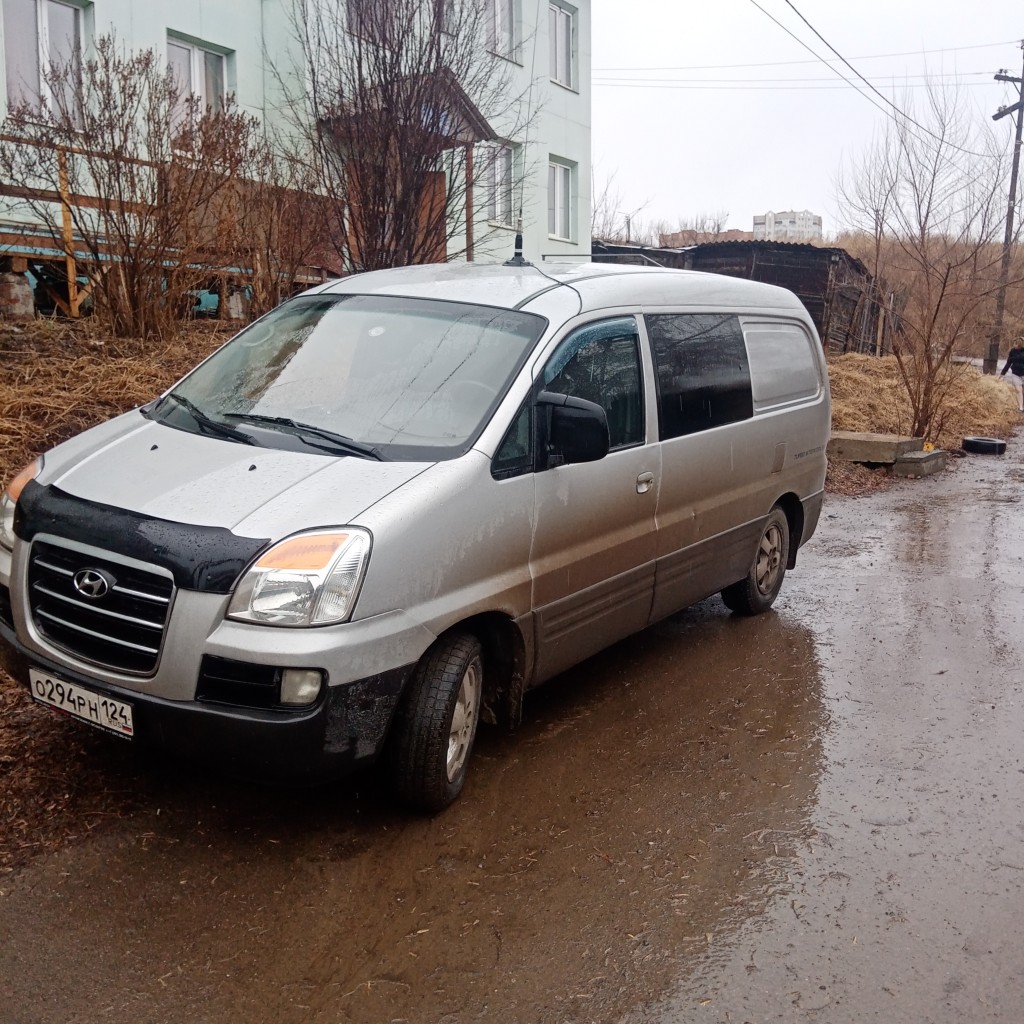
[1015, 364]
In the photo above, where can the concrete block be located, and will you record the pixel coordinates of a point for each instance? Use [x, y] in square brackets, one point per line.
[920, 463]
[849, 446]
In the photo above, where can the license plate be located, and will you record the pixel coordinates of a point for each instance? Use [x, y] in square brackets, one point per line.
[95, 708]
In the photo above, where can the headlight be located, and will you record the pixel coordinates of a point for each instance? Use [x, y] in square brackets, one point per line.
[311, 579]
[9, 501]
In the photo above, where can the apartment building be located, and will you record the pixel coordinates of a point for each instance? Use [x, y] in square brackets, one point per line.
[788, 226]
[245, 48]
[547, 45]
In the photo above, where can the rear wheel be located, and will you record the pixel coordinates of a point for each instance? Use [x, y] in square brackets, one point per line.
[435, 732]
[757, 591]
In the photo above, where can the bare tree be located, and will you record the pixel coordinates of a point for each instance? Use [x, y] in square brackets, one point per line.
[390, 99]
[704, 227]
[609, 222]
[926, 197]
[122, 167]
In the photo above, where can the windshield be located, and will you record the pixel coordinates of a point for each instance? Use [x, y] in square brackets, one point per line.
[398, 378]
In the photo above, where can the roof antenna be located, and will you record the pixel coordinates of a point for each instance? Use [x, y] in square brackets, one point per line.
[517, 257]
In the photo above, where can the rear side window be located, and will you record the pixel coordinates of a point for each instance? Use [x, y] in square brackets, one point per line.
[703, 373]
[783, 366]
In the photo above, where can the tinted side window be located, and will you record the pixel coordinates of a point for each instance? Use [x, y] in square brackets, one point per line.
[703, 374]
[601, 363]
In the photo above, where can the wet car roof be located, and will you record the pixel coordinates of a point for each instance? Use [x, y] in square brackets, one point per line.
[596, 284]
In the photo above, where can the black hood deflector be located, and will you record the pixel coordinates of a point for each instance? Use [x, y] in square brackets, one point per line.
[205, 558]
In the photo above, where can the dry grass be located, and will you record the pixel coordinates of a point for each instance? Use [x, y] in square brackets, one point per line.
[55, 380]
[867, 396]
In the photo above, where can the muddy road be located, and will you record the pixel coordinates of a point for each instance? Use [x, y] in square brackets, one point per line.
[814, 815]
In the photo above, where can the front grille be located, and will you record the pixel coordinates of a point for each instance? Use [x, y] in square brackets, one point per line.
[121, 628]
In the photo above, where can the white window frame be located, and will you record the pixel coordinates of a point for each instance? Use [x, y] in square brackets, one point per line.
[196, 86]
[503, 176]
[561, 199]
[504, 28]
[362, 17]
[43, 55]
[562, 44]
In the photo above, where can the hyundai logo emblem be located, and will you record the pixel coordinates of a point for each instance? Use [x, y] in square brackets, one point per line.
[93, 583]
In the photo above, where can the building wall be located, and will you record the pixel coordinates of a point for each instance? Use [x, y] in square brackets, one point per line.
[255, 38]
[234, 27]
[557, 126]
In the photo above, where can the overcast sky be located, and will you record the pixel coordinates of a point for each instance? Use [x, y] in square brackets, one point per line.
[688, 147]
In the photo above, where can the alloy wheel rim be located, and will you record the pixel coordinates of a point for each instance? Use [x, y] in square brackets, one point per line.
[464, 717]
[769, 559]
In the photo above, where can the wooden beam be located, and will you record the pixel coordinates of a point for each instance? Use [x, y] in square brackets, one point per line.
[68, 234]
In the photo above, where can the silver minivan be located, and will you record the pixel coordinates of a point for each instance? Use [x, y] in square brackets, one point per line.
[389, 508]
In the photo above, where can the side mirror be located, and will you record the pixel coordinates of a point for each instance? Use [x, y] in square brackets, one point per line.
[577, 430]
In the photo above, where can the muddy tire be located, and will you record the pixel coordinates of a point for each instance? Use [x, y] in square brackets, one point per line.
[757, 591]
[436, 727]
[984, 445]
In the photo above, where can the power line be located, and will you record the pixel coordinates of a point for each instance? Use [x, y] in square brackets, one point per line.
[906, 117]
[796, 82]
[785, 81]
[789, 63]
[885, 99]
[811, 50]
[615, 84]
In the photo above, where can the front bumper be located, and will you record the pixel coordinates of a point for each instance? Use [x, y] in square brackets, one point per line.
[347, 727]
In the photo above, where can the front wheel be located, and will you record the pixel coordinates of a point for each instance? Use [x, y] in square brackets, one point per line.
[435, 732]
[757, 591]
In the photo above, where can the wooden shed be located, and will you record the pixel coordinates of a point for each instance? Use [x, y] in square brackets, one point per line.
[843, 299]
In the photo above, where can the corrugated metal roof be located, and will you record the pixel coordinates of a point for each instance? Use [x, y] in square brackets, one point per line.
[761, 243]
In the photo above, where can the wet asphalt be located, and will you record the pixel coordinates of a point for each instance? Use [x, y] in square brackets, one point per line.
[814, 815]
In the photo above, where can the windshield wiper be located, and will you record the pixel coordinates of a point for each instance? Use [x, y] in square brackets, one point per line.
[337, 442]
[217, 428]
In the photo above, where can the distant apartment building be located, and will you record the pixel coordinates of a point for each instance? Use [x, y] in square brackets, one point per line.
[239, 47]
[788, 226]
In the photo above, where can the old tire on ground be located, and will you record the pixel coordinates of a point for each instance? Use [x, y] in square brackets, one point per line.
[756, 592]
[984, 445]
[436, 726]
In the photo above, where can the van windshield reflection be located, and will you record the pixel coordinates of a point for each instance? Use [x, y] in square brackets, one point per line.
[392, 378]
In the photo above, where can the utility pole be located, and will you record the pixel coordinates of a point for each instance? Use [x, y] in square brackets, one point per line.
[992, 361]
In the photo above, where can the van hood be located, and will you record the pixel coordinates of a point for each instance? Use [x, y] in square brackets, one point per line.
[164, 473]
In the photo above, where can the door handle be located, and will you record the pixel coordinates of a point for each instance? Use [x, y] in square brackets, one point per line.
[644, 482]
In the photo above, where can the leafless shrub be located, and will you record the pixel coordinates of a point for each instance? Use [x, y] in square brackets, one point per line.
[123, 168]
[281, 230]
